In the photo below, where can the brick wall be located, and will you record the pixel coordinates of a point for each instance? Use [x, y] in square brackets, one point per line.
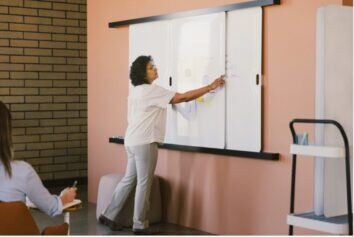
[43, 81]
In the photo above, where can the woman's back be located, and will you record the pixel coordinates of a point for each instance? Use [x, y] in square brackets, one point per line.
[14, 188]
[25, 182]
[147, 114]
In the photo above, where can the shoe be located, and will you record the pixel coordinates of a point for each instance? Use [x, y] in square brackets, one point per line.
[111, 224]
[147, 231]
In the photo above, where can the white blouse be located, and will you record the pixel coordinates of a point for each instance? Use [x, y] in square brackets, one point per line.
[147, 109]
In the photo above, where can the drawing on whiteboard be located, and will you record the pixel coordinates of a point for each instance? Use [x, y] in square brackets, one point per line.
[188, 110]
[190, 113]
[187, 114]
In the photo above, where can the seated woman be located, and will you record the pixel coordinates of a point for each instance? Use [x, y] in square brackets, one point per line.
[18, 179]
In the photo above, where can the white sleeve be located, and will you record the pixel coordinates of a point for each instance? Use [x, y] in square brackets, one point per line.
[161, 97]
[40, 196]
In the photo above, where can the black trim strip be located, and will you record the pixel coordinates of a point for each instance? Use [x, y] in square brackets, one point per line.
[230, 7]
[247, 154]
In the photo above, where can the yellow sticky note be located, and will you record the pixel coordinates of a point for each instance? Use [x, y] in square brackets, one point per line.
[200, 99]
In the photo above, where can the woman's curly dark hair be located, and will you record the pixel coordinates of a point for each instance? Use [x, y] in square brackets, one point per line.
[138, 70]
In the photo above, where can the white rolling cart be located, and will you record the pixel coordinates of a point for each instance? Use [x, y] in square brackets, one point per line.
[339, 225]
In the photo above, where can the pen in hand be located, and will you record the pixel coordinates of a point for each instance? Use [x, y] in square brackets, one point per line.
[68, 195]
[74, 184]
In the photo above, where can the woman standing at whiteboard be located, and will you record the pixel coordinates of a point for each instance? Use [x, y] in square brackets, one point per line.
[147, 105]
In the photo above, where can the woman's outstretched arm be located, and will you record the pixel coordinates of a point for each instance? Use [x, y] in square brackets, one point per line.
[194, 94]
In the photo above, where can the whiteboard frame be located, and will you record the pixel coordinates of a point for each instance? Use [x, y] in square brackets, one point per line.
[262, 3]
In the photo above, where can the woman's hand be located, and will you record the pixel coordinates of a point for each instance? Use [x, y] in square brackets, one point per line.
[68, 195]
[220, 81]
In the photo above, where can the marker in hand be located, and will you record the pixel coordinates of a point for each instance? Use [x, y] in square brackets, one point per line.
[74, 184]
[218, 82]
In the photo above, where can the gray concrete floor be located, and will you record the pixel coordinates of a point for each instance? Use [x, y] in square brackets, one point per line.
[83, 222]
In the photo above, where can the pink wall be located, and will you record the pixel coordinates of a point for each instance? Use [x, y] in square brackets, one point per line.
[218, 194]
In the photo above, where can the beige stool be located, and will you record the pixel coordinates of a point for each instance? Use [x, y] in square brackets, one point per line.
[106, 188]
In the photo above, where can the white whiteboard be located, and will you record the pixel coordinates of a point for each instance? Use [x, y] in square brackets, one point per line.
[244, 63]
[334, 100]
[198, 58]
[192, 51]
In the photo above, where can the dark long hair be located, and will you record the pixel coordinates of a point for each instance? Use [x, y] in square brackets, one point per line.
[138, 70]
[6, 145]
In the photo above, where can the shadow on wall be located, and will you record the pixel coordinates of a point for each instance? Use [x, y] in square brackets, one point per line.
[184, 194]
[178, 192]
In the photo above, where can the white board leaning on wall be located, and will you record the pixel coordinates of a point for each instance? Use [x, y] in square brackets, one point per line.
[191, 52]
[334, 100]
